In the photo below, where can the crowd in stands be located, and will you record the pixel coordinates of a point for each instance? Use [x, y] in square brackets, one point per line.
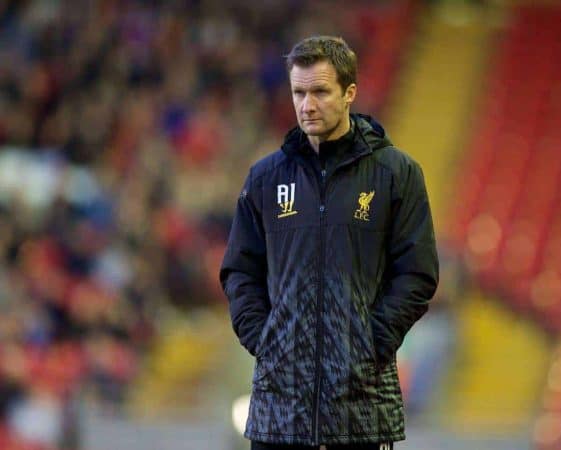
[126, 129]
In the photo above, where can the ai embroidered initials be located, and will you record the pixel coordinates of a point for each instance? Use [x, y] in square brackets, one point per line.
[285, 199]
[364, 200]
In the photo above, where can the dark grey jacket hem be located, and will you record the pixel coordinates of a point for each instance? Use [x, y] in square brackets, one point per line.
[287, 439]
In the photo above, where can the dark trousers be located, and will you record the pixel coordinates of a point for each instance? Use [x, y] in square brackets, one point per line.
[262, 446]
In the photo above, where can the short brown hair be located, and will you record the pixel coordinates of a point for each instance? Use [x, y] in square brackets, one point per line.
[325, 48]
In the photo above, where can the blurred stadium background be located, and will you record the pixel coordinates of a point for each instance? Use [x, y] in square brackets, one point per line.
[126, 130]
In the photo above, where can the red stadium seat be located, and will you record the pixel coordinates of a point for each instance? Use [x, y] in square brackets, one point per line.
[509, 224]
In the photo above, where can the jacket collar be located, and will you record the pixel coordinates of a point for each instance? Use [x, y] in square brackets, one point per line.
[368, 136]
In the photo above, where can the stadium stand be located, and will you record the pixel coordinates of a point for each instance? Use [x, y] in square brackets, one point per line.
[431, 105]
[430, 116]
[507, 222]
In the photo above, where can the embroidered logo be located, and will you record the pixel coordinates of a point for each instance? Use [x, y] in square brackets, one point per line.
[285, 199]
[364, 200]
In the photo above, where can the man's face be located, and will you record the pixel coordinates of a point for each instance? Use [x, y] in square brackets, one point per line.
[321, 106]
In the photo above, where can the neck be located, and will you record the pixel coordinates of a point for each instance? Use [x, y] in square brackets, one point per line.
[339, 131]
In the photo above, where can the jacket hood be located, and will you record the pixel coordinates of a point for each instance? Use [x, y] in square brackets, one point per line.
[370, 135]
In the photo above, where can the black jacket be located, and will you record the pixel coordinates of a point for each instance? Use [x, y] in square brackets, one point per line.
[325, 272]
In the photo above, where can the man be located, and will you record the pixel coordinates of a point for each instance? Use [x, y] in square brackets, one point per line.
[330, 261]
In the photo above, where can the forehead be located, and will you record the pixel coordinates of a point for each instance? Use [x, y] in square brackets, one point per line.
[321, 72]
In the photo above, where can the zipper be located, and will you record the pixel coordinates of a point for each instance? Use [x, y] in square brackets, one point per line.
[322, 184]
[319, 323]
[321, 269]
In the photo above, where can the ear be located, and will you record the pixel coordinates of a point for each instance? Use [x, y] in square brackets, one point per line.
[350, 93]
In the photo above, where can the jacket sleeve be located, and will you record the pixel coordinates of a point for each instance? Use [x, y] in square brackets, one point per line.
[243, 273]
[411, 274]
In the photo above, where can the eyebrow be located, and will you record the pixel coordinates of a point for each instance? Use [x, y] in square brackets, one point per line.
[312, 87]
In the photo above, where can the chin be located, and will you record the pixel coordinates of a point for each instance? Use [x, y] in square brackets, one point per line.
[313, 131]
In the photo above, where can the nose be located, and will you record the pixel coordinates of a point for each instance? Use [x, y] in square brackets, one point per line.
[308, 104]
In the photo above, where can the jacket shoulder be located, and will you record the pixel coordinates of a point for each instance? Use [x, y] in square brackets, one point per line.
[395, 159]
[399, 163]
[266, 164]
